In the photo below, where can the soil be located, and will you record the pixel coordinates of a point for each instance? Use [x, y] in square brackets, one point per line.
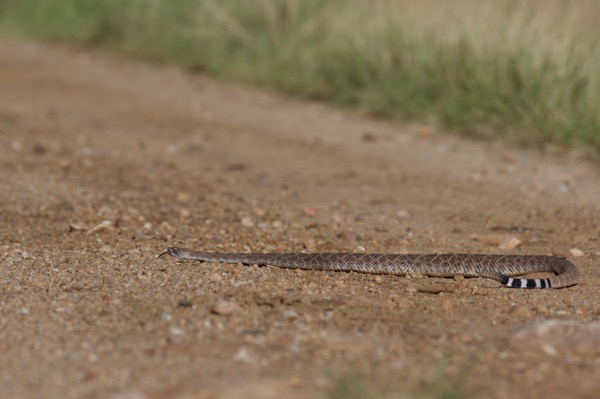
[106, 161]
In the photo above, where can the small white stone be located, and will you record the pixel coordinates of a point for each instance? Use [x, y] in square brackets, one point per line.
[277, 224]
[16, 146]
[166, 316]
[563, 188]
[77, 227]
[247, 221]
[105, 225]
[242, 355]
[548, 349]
[176, 331]
[576, 252]
[129, 395]
[223, 307]
[509, 243]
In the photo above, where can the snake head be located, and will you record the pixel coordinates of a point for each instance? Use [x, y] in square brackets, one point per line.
[170, 251]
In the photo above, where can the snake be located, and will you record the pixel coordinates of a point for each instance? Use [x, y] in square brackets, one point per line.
[502, 268]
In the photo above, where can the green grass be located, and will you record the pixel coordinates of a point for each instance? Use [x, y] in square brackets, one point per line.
[437, 384]
[529, 70]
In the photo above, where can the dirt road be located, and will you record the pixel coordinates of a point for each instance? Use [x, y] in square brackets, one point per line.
[106, 161]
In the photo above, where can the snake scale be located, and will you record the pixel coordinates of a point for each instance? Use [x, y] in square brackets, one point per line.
[501, 268]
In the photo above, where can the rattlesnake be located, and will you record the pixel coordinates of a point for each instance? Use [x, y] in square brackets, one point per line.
[498, 267]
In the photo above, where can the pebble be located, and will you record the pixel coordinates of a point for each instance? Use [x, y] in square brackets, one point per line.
[138, 234]
[243, 355]
[16, 146]
[129, 395]
[113, 300]
[176, 331]
[369, 136]
[183, 197]
[402, 214]
[397, 242]
[105, 225]
[509, 243]
[576, 252]
[223, 307]
[295, 347]
[247, 221]
[77, 227]
[290, 314]
[41, 149]
[86, 151]
[348, 235]
[260, 212]
[184, 213]
[277, 224]
[185, 304]
[310, 211]
[166, 316]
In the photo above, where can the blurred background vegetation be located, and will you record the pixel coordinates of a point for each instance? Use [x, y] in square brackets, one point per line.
[528, 70]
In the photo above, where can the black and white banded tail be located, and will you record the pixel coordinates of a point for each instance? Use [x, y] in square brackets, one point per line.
[526, 282]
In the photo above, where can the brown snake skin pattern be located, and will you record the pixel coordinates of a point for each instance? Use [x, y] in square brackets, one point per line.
[501, 268]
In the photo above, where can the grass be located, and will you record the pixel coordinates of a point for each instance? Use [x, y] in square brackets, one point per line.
[437, 384]
[529, 69]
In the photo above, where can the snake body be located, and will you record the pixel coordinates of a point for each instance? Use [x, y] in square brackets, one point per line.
[502, 268]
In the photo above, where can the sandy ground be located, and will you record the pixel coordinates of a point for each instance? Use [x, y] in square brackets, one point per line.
[106, 161]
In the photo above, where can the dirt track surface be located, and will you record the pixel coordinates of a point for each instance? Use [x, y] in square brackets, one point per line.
[106, 161]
